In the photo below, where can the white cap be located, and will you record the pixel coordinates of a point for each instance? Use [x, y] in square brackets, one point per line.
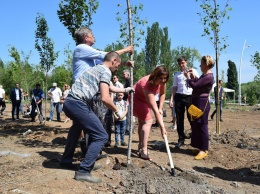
[54, 84]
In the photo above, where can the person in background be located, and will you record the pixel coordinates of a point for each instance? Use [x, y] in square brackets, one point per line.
[221, 97]
[37, 98]
[2, 99]
[120, 123]
[144, 102]
[116, 83]
[126, 74]
[55, 94]
[172, 106]
[78, 108]
[16, 97]
[200, 98]
[65, 92]
[21, 104]
[181, 93]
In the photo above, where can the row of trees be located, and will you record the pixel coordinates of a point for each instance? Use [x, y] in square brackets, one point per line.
[157, 51]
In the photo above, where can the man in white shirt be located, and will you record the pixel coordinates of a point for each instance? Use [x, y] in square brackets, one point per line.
[181, 93]
[55, 94]
[2, 99]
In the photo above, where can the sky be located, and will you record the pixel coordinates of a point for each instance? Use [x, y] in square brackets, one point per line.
[17, 21]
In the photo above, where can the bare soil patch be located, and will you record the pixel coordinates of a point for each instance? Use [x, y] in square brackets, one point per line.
[29, 161]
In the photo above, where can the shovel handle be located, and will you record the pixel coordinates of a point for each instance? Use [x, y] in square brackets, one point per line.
[168, 150]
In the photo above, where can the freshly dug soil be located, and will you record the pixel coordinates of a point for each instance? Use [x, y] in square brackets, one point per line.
[30, 152]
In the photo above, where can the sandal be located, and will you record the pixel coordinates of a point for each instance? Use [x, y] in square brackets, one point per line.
[144, 156]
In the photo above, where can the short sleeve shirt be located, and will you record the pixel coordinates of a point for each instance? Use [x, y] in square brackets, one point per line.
[55, 94]
[87, 85]
[2, 91]
[121, 107]
[38, 94]
[144, 84]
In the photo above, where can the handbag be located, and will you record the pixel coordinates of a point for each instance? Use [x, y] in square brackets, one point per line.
[195, 112]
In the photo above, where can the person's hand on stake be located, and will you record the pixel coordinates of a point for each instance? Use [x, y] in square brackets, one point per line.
[129, 89]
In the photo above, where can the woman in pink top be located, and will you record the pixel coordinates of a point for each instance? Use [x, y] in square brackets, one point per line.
[144, 101]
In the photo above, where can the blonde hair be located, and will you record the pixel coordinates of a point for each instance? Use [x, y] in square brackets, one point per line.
[208, 60]
[63, 88]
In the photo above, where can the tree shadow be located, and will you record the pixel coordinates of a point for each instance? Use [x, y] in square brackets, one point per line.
[239, 175]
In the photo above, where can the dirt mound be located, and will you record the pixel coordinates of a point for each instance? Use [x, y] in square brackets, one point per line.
[240, 139]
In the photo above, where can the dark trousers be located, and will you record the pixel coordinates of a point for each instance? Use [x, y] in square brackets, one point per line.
[16, 105]
[2, 104]
[182, 102]
[33, 114]
[83, 119]
[215, 111]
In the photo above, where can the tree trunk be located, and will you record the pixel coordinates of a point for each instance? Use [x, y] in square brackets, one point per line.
[131, 79]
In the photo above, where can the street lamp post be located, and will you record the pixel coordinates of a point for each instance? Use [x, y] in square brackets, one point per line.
[239, 95]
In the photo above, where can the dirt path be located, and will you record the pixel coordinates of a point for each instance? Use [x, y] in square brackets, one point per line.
[29, 163]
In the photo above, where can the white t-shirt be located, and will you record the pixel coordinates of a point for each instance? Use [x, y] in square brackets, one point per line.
[181, 82]
[55, 94]
[17, 94]
[2, 91]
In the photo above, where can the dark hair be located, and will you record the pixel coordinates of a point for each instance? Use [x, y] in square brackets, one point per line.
[181, 58]
[111, 55]
[38, 85]
[158, 72]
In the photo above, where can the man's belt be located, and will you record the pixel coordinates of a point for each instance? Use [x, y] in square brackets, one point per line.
[183, 95]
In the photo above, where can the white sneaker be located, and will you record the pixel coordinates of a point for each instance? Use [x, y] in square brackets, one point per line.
[175, 127]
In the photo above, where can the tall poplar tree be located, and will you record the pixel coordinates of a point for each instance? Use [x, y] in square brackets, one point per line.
[232, 77]
[152, 47]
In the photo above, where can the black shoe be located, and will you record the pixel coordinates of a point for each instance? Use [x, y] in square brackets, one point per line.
[155, 125]
[221, 120]
[211, 117]
[179, 144]
[68, 166]
[1, 112]
[80, 176]
[127, 133]
[123, 143]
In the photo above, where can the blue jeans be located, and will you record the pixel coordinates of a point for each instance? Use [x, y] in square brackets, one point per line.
[83, 119]
[120, 127]
[53, 105]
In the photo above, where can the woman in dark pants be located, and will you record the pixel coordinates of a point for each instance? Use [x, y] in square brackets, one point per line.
[200, 97]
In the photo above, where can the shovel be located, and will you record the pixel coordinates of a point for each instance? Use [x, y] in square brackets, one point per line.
[40, 117]
[169, 155]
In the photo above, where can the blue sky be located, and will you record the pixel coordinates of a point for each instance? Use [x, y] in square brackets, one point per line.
[17, 20]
